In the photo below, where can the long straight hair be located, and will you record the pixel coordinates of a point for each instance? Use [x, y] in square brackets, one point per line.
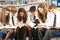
[44, 15]
[19, 16]
[4, 19]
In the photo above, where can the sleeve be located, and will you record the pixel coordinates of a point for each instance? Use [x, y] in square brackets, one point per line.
[29, 22]
[48, 20]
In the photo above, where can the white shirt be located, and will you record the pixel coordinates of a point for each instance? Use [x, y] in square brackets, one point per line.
[29, 22]
[31, 18]
[41, 25]
[10, 25]
[15, 19]
[50, 19]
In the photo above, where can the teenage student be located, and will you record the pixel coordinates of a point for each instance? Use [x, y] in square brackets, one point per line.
[23, 22]
[5, 21]
[42, 16]
[13, 16]
[34, 19]
[10, 20]
[53, 22]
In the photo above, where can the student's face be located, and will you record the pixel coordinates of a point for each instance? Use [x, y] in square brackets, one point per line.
[6, 13]
[21, 13]
[33, 12]
[53, 10]
[40, 10]
[13, 12]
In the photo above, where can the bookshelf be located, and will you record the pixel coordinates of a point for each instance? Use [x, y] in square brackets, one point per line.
[21, 3]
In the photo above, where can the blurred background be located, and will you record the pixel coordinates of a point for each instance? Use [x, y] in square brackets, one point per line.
[27, 3]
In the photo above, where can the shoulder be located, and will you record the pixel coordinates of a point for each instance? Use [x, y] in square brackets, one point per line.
[28, 13]
[49, 13]
[58, 12]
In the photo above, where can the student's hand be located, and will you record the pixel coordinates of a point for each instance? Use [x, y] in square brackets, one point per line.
[47, 27]
[39, 26]
[7, 26]
[28, 25]
[18, 27]
[22, 25]
[14, 30]
[57, 27]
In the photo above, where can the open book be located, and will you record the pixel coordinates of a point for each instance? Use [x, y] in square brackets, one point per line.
[12, 27]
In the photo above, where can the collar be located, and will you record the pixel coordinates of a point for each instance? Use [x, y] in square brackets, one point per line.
[11, 14]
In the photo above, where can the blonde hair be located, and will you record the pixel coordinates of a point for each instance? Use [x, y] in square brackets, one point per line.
[44, 11]
[52, 6]
[13, 8]
[4, 19]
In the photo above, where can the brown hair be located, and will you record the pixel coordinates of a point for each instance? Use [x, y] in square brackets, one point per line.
[19, 16]
[32, 9]
[42, 16]
[5, 20]
[52, 6]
